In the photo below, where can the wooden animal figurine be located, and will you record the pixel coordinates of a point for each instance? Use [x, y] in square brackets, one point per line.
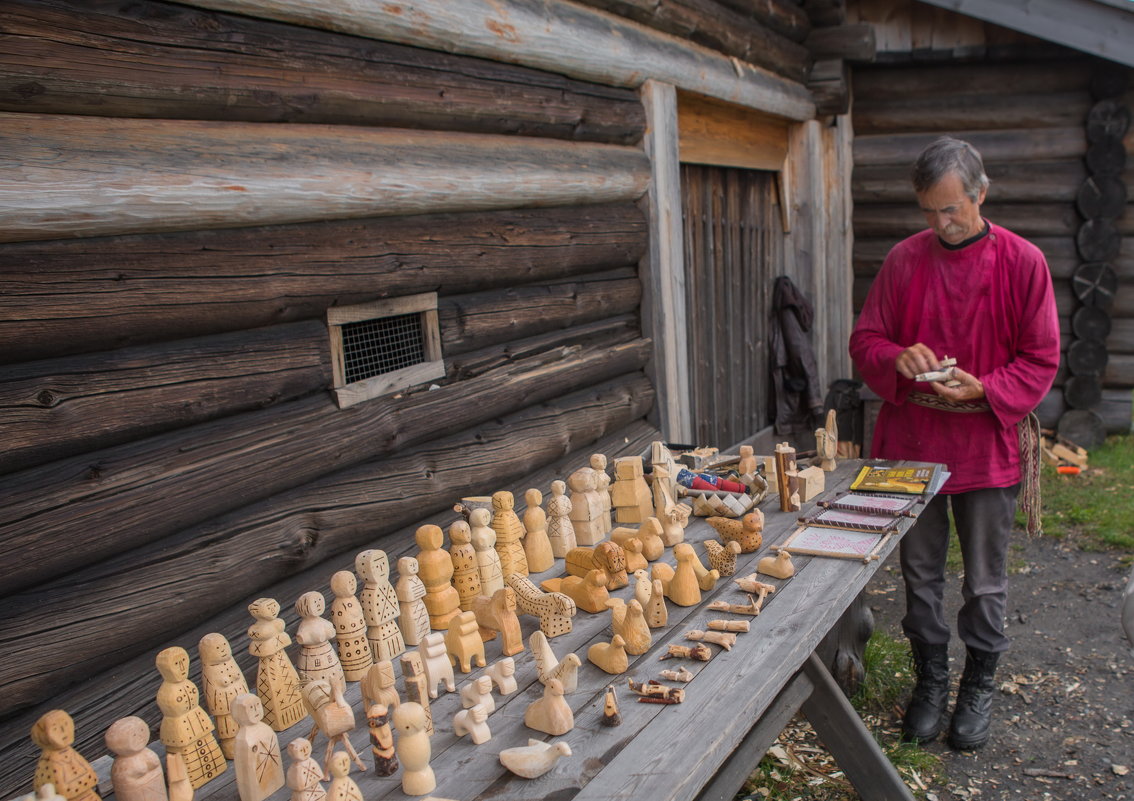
[550, 714]
[537, 546]
[498, 614]
[413, 618]
[778, 566]
[554, 609]
[610, 656]
[509, 534]
[683, 588]
[629, 622]
[723, 557]
[333, 716]
[739, 626]
[649, 535]
[503, 675]
[672, 516]
[487, 559]
[750, 584]
[630, 494]
[413, 674]
[180, 788]
[473, 722]
[222, 682]
[435, 569]
[657, 614]
[549, 667]
[304, 773]
[610, 715]
[438, 669]
[602, 487]
[706, 579]
[463, 642]
[747, 464]
[751, 608]
[380, 606]
[414, 751]
[588, 593]
[785, 464]
[137, 773]
[479, 691]
[317, 658]
[748, 530]
[342, 787]
[723, 639]
[700, 652]
[381, 740]
[185, 728]
[681, 674]
[466, 576]
[277, 682]
[355, 655]
[654, 692]
[586, 507]
[534, 759]
[560, 529]
[635, 560]
[257, 761]
[607, 556]
[827, 442]
[812, 481]
[378, 684]
[643, 587]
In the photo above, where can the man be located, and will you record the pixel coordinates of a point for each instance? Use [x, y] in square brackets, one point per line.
[973, 291]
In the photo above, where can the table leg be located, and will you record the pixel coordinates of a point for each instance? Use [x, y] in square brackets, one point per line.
[843, 647]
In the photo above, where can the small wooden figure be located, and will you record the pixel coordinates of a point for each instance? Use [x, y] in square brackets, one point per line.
[643, 587]
[827, 442]
[258, 761]
[723, 557]
[61, 765]
[681, 674]
[342, 787]
[649, 534]
[747, 464]
[628, 621]
[635, 560]
[549, 667]
[673, 516]
[503, 675]
[277, 682]
[413, 618]
[414, 750]
[739, 626]
[586, 507]
[751, 608]
[355, 655]
[560, 529]
[554, 609]
[509, 534]
[498, 614]
[463, 642]
[750, 584]
[44, 793]
[812, 481]
[381, 740]
[748, 530]
[630, 494]
[588, 593]
[610, 715]
[413, 674]
[607, 556]
[378, 685]
[537, 546]
[550, 714]
[610, 656]
[723, 639]
[602, 487]
[185, 728]
[657, 614]
[785, 464]
[333, 716]
[177, 774]
[317, 658]
[435, 569]
[778, 566]
[473, 722]
[222, 682]
[380, 605]
[304, 773]
[706, 579]
[683, 589]
[479, 691]
[466, 576]
[137, 773]
[534, 759]
[438, 669]
[702, 653]
[656, 693]
[487, 559]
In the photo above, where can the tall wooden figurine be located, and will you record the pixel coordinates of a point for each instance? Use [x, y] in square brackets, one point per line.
[435, 569]
[586, 507]
[413, 750]
[602, 486]
[304, 773]
[381, 740]
[560, 529]
[414, 617]
[378, 685]
[277, 682]
[258, 761]
[185, 728]
[60, 764]
[222, 682]
[350, 627]
[379, 604]
[487, 559]
[747, 464]
[630, 494]
[509, 534]
[316, 637]
[137, 773]
[785, 465]
[466, 577]
[417, 685]
[180, 789]
[537, 547]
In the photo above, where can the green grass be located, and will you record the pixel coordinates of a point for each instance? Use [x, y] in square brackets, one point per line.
[1096, 507]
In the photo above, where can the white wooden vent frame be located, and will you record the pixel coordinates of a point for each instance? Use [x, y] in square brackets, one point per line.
[431, 368]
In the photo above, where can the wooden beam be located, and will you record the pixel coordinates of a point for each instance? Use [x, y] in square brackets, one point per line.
[971, 112]
[782, 16]
[724, 135]
[846, 42]
[1023, 144]
[1021, 181]
[899, 220]
[555, 35]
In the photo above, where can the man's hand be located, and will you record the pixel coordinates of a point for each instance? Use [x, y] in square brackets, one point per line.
[970, 389]
[916, 359]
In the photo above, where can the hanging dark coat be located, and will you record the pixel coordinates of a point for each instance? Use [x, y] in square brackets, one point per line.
[796, 398]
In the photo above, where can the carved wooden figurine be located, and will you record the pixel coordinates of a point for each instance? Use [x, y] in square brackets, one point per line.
[438, 669]
[342, 787]
[222, 682]
[177, 776]
[509, 534]
[610, 656]
[137, 773]
[60, 764]
[498, 614]
[681, 674]
[417, 685]
[534, 759]
[185, 728]
[463, 642]
[602, 487]
[473, 722]
[466, 576]
[635, 560]
[537, 546]
[378, 685]
[655, 692]
[751, 608]
[785, 469]
[750, 584]
[610, 715]
[748, 530]
[812, 481]
[628, 621]
[414, 751]
[683, 588]
[657, 614]
[827, 442]
[702, 653]
[721, 638]
[747, 464]
[607, 556]
[277, 682]
[503, 675]
[44, 793]
[560, 529]
[381, 740]
[355, 655]
[487, 559]
[630, 494]
[649, 535]
[723, 557]
[673, 516]
[549, 667]
[304, 773]
[379, 603]
[317, 658]
[586, 507]
[435, 569]
[706, 579]
[778, 566]
[550, 714]
[588, 593]
[479, 691]
[332, 714]
[413, 618]
[554, 609]
[258, 761]
[739, 626]
[643, 587]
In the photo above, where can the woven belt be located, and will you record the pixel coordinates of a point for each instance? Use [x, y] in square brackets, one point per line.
[934, 401]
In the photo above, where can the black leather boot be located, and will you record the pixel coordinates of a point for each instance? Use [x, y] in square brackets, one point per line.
[925, 714]
[973, 713]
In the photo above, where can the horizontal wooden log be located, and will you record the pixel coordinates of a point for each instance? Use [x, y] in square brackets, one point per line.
[1011, 182]
[74, 512]
[98, 176]
[910, 81]
[1102, 196]
[153, 59]
[785, 17]
[970, 112]
[70, 296]
[1121, 338]
[899, 220]
[554, 35]
[829, 83]
[1119, 369]
[1106, 156]
[1098, 240]
[1114, 409]
[824, 13]
[854, 42]
[1082, 391]
[1062, 258]
[1027, 144]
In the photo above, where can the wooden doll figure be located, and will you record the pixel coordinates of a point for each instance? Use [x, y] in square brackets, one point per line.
[487, 559]
[537, 547]
[258, 762]
[747, 464]
[414, 750]
[466, 577]
[586, 507]
[277, 682]
[137, 773]
[417, 685]
[60, 764]
[509, 534]
[185, 728]
[177, 775]
[378, 685]
[602, 486]
[343, 787]
[630, 494]
[560, 529]
[304, 773]
[379, 604]
[350, 627]
[221, 681]
[316, 635]
[414, 617]
[435, 568]
[381, 740]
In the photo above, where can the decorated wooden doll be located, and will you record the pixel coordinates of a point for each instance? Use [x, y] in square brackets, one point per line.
[602, 486]
[185, 728]
[435, 568]
[350, 627]
[379, 604]
[487, 559]
[221, 681]
[537, 547]
[316, 636]
[257, 761]
[413, 616]
[137, 773]
[60, 764]
[586, 507]
[560, 529]
[466, 576]
[509, 534]
[277, 682]
[304, 773]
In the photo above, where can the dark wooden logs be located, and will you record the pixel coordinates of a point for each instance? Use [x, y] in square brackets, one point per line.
[1011, 182]
[1084, 427]
[826, 12]
[1106, 156]
[1120, 368]
[899, 220]
[71, 513]
[970, 112]
[782, 16]
[153, 59]
[1098, 240]
[73, 296]
[1091, 322]
[1025, 144]
[1108, 120]
[1086, 357]
[1095, 284]
[1082, 391]
[829, 83]
[1102, 195]
[853, 42]
[1114, 409]
[880, 83]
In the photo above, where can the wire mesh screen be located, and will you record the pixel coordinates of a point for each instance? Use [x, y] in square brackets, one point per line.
[374, 347]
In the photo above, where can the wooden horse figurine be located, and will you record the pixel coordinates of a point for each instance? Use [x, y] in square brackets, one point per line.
[463, 642]
[332, 715]
[554, 609]
[498, 614]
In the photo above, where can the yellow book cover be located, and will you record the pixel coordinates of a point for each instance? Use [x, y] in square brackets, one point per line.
[907, 480]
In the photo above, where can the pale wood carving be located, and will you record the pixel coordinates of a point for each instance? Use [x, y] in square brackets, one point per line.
[630, 494]
[333, 716]
[812, 482]
[221, 682]
[550, 714]
[827, 442]
[654, 692]
[417, 685]
[435, 569]
[44, 793]
[473, 722]
[379, 605]
[414, 751]
[778, 566]
[739, 626]
[598, 463]
[706, 579]
[606, 556]
[560, 529]
[549, 667]
[683, 588]
[303, 774]
[258, 761]
[758, 588]
[554, 609]
[413, 617]
[438, 668]
[629, 621]
[643, 587]
[610, 715]
[657, 614]
[702, 653]
[466, 576]
[589, 593]
[381, 740]
[724, 639]
[317, 658]
[185, 727]
[463, 642]
[785, 464]
[355, 655]
[537, 545]
[748, 530]
[534, 759]
[378, 685]
[672, 516]
[586, 507]
[479, 691]
[649, 534]
[509, 534]
[277, 682]
[487, 559]
[137, 773]
[681, 674]
[747, 464]
[342, 786]
[610, 657]
[723, 557]
[177, 774]
[750, 608]
[498, 614]
[635, 560]
[503, 675]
